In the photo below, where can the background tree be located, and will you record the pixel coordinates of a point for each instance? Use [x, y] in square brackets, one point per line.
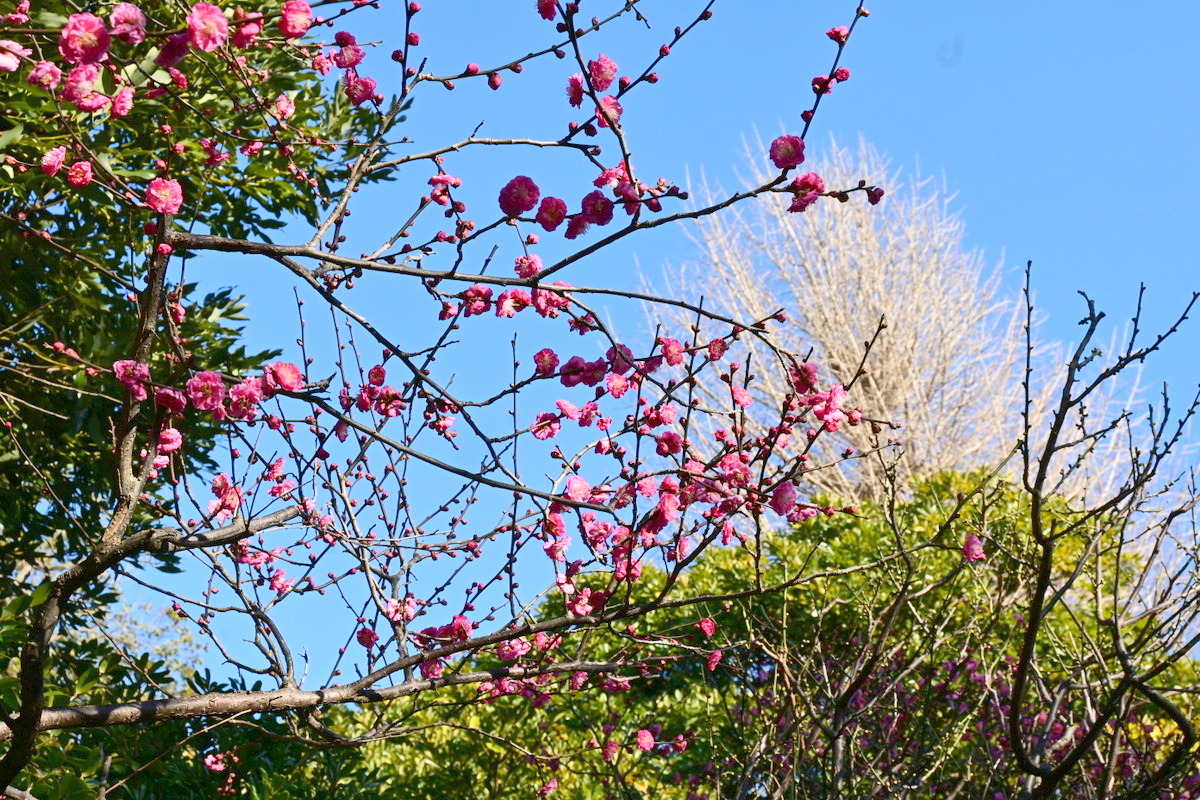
[947, 369]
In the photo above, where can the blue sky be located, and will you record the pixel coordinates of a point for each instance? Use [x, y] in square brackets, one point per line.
[1068, 133]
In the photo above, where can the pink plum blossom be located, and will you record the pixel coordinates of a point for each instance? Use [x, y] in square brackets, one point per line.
[84, 40]
[128, 23]
[122, 102]
[575, 90]
[610, 111]
[206, 390]
[80, 173]
[284, 107]
[839, 34]
[551, 213]
[787, 151]
[172, 51]
[597, 208]
[973, 549]
[296, 19]
[282, 375]
[645, 740]
[53, 160]
[518, 196]
[528, 265]
[545, 361]
[45, 74]
[546, 8]
[358, 90]
[11, 54]
[603, 72]
[164, 196]
[545, 426]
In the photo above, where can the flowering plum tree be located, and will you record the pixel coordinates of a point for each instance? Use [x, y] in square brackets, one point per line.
[147, 142]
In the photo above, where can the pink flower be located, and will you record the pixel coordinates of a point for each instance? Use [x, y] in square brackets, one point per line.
[476, 300]
[603, 72]
[122, 102]
[396, 610]
[545, 426]
[808, 182]
[128, 23]
[173, 400]
[645, 740]
[280, 583]
[714, 658]
[707, 627]
[84, 40]
[284, 107]
[349, 56]
[874, 195]
[81, 82]
[80, 173]
[513, 649]
[546, 8]
[575, 90]
[578, 489]
[249, 26]
[841, 74]
[366, 637]
[52, 161]
[169, 440]
[164, 196]
[545, 361]
[206, 390]
[551, 213]
[839, 34]
[511, 301]
[717, 349]
[19, 15]
[802, 376]
[610, 111]
[822, 84]
[741, 396]
[358, 90]
[133, 374]
[529, 265]
[174, 50]
[45, 75]
[296, 19]
[577, 227]
[518, 196]
[282, 375]
[215, 762]
[244, 398]
[668, 443]
[973, 549]
[11, 54]
[597, 208]
[801, 202]
[787, 151]
[783, 499]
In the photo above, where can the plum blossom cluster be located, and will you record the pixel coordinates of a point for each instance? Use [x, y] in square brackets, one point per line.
[521, 195]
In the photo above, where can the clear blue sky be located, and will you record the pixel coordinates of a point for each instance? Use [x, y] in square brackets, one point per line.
[1068, 131]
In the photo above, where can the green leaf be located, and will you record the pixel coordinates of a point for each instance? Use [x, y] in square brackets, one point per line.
[40, 594]
[12, 135]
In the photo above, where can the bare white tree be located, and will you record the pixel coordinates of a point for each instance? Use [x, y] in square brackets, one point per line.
[946, 369]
